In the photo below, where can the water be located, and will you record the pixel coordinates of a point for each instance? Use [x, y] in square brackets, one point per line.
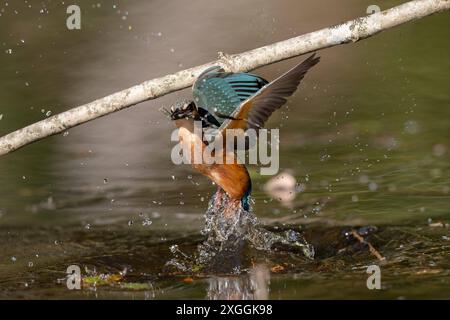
[366, 138]
[226, 237]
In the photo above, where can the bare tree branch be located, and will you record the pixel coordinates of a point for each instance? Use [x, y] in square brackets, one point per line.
[350, 31]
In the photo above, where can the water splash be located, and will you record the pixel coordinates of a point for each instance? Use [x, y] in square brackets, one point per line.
[228, 229]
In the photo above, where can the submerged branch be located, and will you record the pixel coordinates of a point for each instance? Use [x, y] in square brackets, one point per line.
[372, 249]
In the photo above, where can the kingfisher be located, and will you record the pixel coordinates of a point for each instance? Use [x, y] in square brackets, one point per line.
[224, 101]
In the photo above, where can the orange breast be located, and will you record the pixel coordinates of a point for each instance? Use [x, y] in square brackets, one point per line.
[231, 177]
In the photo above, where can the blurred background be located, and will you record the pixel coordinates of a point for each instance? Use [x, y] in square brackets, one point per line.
[366, 137]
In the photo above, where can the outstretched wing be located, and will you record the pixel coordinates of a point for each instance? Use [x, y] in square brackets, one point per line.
[220, 93]
[254, 112]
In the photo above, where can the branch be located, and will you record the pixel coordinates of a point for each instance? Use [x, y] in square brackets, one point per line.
[350, 31]
[372, 249]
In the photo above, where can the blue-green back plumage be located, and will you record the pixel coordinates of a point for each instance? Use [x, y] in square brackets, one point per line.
[222, 92]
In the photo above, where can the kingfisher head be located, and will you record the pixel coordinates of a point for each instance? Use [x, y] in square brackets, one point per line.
[183, 109]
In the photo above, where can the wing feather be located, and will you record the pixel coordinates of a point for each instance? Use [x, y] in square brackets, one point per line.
[254, 112]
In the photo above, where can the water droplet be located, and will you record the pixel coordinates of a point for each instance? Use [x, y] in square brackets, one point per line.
[173, 248]
[156, 215]
[363, 179]
[48, 113]
[436, 173]
[105, 181]
[438, 149]
[30, 264]
[130, 223]
[411, 127]
[373, 186]
[147, 222]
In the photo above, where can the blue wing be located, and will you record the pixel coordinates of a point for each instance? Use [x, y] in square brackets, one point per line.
[255, 111]
[221, 93]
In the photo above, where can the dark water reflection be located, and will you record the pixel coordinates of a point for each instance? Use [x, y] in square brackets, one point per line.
[366, 138]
